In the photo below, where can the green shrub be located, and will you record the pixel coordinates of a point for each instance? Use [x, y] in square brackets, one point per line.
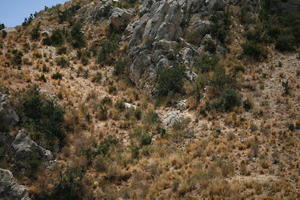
[97, 77]
[285, 43]
[67, 15]
[28, 20]
[226, 101]
[206, 63]
[42, 114]
[106, 100]
[102, 113]
[56, 38]
[104, 147]
[119, 68]
[220, 26]
[254, 50]
[112, 90]
[4, 34]
[77, 36]
[108, 46]
[145, 139]
[170, 80]
[151, 118]
[17, 57]
[210, 46]
[62, 61]
[35, 33]
[221, 80]
[2, 26]
[69, 186]
[120, 105]
[61, 50]
[57, 76]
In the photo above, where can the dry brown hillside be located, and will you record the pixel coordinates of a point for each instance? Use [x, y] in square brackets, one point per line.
[153, 100]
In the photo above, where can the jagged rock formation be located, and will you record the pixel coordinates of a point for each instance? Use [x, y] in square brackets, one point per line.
[9, 188]
[157, 38]
[25, 148]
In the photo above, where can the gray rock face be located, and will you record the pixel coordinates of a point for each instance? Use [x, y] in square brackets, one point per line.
[8, 116]
[154, 39]
[171, 118]
[9, 188]
[119, 19]
[25, 148]
[157, 36]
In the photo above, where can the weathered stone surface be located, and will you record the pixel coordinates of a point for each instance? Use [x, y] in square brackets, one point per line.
[9, 188]
[172, 117]
[25, 148]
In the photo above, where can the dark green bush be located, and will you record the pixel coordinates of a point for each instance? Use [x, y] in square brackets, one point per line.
[62, 61]
[57, 76]
[226, 101]
[112, 90]
[254, 50]
[42, 114]
[120, 105]
[67, 15]
[210, 46]
[69, 186]
[221, 80]
[35, 33]
[97, 77]
[56, 38]
[106, 144]
[119, 68]
[206, 63]
[106, 100]
[170, 80]
[220, 27]
[17, 57]
[151, 118]
[108, 46]
[2, 26]
[77, 36]
[61, 50]
[4, 34]
[28, 20]
[285, 43]
[145, 139]
[102, 113]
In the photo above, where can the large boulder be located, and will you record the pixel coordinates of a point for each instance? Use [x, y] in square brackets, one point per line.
[9, 188]
[8, 116]
[25, 148]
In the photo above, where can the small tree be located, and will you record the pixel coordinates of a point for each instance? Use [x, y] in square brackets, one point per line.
[170, 80]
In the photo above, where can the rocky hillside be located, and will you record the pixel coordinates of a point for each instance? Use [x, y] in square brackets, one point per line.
[152, 99]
